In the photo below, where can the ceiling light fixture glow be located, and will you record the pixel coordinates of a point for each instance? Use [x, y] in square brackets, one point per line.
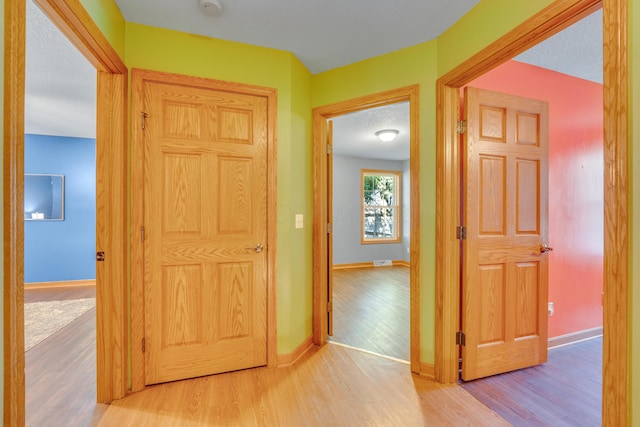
[387, 135]
[210, 7]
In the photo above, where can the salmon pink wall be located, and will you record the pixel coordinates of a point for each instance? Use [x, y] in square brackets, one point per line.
[575, 188]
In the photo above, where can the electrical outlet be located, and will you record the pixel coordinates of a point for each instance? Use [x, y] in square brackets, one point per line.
[552, 308]
[299, 221]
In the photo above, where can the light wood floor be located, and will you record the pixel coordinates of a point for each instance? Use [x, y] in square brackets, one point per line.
[60, 372]
[330, 386]
[58, 293]
[371, 309]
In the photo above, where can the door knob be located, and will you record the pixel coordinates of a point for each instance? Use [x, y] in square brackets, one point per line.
[544, 248]
[258, 248]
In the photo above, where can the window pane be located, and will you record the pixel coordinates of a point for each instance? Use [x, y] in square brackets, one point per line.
[379, 223]
[380, 205]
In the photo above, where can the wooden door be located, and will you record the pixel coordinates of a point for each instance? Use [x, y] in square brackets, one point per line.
[330, 221]
[205, 231]
[504, 309]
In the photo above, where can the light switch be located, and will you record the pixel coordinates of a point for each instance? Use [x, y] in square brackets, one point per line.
[299, 221]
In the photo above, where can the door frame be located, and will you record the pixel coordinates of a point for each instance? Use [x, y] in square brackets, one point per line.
[320, 250]
[138, 78]
[111, 315]
[554, 18]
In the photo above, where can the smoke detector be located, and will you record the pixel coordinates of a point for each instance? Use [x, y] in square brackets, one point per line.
[210, 7]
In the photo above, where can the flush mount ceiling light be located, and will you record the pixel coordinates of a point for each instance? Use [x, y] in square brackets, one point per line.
[210, 7]
[387, 135]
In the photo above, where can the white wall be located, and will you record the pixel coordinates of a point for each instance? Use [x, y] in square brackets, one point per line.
[347, 248]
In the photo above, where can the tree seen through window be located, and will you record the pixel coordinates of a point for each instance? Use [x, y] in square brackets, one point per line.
[381, 205]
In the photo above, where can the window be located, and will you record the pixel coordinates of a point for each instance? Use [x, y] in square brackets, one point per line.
[380, 206]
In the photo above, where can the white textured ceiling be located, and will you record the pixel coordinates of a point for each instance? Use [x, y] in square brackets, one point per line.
[60, 84]
[354, 134]
[323, 34]
[576, 51]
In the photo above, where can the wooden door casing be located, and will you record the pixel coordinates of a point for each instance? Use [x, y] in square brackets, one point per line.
[205, 216]
[330, 221]
[505, 273]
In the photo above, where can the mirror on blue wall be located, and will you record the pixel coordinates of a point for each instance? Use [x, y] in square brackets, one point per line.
[43, 197]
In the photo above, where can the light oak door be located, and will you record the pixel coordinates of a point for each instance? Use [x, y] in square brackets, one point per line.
[205, 231]
[330, 232]
[505, 257]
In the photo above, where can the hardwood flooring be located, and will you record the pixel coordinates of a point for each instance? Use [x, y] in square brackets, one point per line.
[329, 386]
[371, 309]
[59, 293]
[566, 391]
[60, 372]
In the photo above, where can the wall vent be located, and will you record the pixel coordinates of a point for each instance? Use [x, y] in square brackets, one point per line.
[382, 263]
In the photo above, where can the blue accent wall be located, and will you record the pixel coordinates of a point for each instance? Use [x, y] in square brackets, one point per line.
[63, 250]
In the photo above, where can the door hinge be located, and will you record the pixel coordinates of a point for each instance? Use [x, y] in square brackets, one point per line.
[461, 126]
[144, 347]
[143, 116]
[329, 306]
[329, 149]
[461, 232]
[329, 228]
[461, 338]
[142, 233]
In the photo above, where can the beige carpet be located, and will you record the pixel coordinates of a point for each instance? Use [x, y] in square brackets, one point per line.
[42, 319]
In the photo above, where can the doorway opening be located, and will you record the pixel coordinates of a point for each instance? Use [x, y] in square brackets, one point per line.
[323, 240]
[76, 25]
[573, 222]
[540, 27]
[60, 224]
[370, 238]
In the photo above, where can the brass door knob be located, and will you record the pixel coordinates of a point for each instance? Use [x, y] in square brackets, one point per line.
[544, 248]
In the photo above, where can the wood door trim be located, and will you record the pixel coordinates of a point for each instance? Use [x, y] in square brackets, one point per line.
[616, 357]
[13, 223]
[550, 20]
[71, 19]
[138, 79]
[112, 336]
[320, 262]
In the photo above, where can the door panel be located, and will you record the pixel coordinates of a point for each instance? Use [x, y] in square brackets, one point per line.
[205, 231]
[505, 212]
[330, 221]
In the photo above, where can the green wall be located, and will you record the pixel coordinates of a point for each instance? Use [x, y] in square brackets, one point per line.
[413, 65]
[107, 16]
[295, 179]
